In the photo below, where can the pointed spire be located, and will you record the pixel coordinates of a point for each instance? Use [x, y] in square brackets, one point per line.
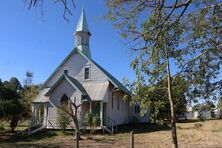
[82, 24]
[82, 35]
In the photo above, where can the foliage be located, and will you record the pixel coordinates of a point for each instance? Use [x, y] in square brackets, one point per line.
[28, 94]
[134, 120]
[92, 120]
[207, 106]
[71, 108]
[96, 120]
[63, 119]
[89, 119]
[11, 106]
[66, 4]
[185, 34]
[219, 104]
[156, 102]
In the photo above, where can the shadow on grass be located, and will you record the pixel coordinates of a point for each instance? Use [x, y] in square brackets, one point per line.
[142, 128]
[27, 138]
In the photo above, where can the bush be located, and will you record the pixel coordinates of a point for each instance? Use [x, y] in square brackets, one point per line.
[2, 128]
[92, 121]
[89, 119]
[96, 120]
[134, 120]
[62, 119]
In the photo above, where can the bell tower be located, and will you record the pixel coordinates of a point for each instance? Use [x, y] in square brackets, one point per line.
[82, 35]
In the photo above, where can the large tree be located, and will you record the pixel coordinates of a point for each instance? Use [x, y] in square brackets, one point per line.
[67, 6]
[11, 106]
[184, 35]
[154, 99]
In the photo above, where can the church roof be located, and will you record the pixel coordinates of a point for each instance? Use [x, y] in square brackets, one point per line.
[82, 24]
[96, 91]
[41, 98]
[111, 78]
[72, 81]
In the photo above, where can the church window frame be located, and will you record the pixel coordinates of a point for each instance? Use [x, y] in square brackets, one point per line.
[64, 99]
[87, 73]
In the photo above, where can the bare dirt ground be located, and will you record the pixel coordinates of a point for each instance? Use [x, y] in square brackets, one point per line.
[208, 134]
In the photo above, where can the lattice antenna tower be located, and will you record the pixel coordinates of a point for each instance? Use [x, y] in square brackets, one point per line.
[28, 80]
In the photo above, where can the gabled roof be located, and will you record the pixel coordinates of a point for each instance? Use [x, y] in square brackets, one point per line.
[111, 78]
[41, 98]
[82, 24]
[96, 91]
[72, 81]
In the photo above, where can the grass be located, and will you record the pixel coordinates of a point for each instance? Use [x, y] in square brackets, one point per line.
[146, 135]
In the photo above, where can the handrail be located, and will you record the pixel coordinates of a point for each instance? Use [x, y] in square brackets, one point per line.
[111, 123]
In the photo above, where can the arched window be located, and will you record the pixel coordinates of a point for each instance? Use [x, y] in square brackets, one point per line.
[64, 99]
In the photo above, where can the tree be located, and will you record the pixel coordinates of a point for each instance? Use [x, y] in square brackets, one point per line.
[219, 104]
[11, 107]
[28, 94]
[63, 119]
[184, 35]
[207, 106]
[71, 108]
[67, 5]
[155, 101]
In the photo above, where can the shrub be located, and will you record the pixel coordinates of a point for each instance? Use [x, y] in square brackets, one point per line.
[134, 120]
[92, 121]
[2, 128]
[89, 119]
[62, 119]
[96, 120]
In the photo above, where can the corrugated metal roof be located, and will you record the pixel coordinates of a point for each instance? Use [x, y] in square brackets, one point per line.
[96, 91]
[41, 98]
[72, 81]
[113, 80]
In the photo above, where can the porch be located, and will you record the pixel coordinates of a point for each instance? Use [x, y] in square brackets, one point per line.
[41, 116]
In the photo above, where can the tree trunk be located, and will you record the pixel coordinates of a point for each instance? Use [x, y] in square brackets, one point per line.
[77, 136]
[173, 118]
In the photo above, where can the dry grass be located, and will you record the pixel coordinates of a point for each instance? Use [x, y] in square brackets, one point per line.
[208, 135]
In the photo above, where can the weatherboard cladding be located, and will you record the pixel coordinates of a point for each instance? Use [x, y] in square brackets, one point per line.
[72, 81]
[79, 76]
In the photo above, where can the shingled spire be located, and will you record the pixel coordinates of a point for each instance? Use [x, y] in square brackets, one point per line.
[82, 35]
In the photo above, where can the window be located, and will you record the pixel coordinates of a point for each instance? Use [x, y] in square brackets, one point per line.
[118, 103]
[137, 109]
[87, 74]
[64, 99]
[122, 104]
[112, 99]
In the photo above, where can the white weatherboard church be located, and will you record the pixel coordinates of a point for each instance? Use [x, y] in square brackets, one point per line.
[80, 77]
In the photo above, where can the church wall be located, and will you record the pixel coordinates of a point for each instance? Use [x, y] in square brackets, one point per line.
[121, 115]
[63, 88]
[76, 67]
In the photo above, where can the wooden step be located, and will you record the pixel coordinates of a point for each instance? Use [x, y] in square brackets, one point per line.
[105, 128]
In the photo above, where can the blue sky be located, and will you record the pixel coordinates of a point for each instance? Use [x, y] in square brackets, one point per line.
[28, 43]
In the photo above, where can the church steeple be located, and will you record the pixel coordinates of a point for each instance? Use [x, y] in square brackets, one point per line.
[82, 35]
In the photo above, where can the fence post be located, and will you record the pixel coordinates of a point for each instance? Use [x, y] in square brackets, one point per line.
[77, 139]
[131, 139]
